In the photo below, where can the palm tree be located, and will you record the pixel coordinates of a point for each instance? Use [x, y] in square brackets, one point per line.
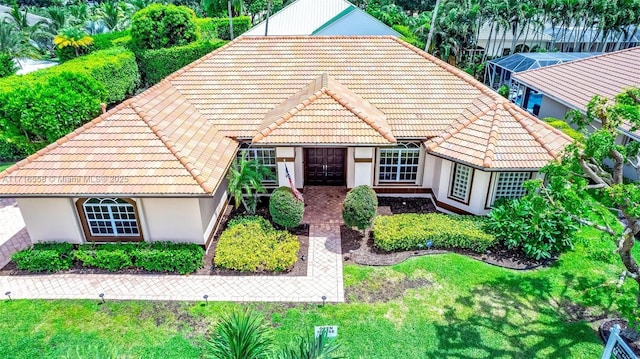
[113, 15]
[15, 43]
[245, 182]
[73, 36]
[241, 335]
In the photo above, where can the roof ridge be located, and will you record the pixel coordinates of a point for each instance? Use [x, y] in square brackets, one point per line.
[453, 130]
[279, 121]
[518, 117]
[636, 48]
[385, 132]
[492, 141]
[508, 105]
[64, 139]
[184, 160]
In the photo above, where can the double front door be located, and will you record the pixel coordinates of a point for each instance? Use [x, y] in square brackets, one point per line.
[324, 166]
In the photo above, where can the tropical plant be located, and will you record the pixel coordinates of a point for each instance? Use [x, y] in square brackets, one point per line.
[7, 66]
[72, 36]
[15, 43]
[316, 347]
[241, 335]
[245, 182]
[581, 171]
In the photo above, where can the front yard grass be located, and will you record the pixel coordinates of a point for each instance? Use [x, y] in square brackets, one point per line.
[462, 308]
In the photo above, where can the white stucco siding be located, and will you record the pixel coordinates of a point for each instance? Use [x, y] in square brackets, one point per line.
[173, 219]
[362, 160]
[477, 196]
[287, 156]
[51, 220]
[211, 209]
[552, 108]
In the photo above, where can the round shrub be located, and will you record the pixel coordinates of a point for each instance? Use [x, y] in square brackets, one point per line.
[286, 210]
[250, 247]
[359, 207]
[160, 26]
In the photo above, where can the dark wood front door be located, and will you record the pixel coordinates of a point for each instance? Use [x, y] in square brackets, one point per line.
[324, 166]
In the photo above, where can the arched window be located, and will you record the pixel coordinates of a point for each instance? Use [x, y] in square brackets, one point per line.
[400, 163]
[107, 219]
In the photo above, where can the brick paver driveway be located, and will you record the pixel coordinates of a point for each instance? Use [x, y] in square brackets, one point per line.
[324, 272]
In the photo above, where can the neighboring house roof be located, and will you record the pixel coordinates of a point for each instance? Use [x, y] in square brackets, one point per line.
[523, 61]
[368, 91]
[32, 19]
[309, 17]
[574, 84]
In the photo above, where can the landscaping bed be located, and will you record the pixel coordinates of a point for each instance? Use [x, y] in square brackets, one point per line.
[302, 232]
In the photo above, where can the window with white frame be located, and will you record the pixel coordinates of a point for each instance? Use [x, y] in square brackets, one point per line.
[461, 182]
[264, 155]
[510, 185]
[110, 217]
[400, 163]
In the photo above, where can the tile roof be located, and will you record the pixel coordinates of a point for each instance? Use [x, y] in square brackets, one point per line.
[325, 111]
[155, 144]
[178, 137]
[576, 83]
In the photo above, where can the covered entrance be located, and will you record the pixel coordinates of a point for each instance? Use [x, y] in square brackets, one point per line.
[324, 166]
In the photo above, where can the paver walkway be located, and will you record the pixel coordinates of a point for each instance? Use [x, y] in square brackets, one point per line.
[324, 274]
[13, 234]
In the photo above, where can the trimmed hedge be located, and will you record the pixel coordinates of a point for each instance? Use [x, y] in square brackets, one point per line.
[160, 26]
[285, 209]
[241, 24]
[412, 231]
[45, 257]
[110, 39]
[208, 32]
[170, 257]
[40, 107]
[182, 258]
[564, 127]
[155, 65]
[359, 207]
[250, 247]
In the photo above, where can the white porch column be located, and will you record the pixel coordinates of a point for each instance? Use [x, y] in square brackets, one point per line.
[364, 166]
[286, 155]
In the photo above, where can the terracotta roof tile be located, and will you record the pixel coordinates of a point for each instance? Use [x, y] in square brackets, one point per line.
[174, 137]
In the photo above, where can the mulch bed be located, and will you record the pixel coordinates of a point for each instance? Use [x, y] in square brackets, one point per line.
[299, 268]
[356, 249]
[631, 337]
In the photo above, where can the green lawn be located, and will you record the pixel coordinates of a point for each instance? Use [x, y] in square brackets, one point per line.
[445, 306]
[5, 165]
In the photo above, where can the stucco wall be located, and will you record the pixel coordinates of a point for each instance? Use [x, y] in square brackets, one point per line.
[479, 189]
[357, 23]
[551, 108]
[363, 161]
[51, 219]
[211, 208]
[287, 155]
[172, 219]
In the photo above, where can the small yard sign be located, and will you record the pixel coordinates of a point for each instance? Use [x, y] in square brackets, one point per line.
[331, 330]
[616, 347]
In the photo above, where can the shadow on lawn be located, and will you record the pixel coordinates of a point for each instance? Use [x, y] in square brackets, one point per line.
[523, 317]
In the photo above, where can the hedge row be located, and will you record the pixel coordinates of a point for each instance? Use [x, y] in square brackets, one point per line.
[412, 231]
[153, 257]
[221, 26]
[251, 244]
[38, 108]
[155, 65]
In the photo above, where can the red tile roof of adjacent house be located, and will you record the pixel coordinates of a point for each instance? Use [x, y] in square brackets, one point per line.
[180, 136]
[575, 83]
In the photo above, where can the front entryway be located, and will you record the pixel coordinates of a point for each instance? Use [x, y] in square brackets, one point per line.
[324, 166]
